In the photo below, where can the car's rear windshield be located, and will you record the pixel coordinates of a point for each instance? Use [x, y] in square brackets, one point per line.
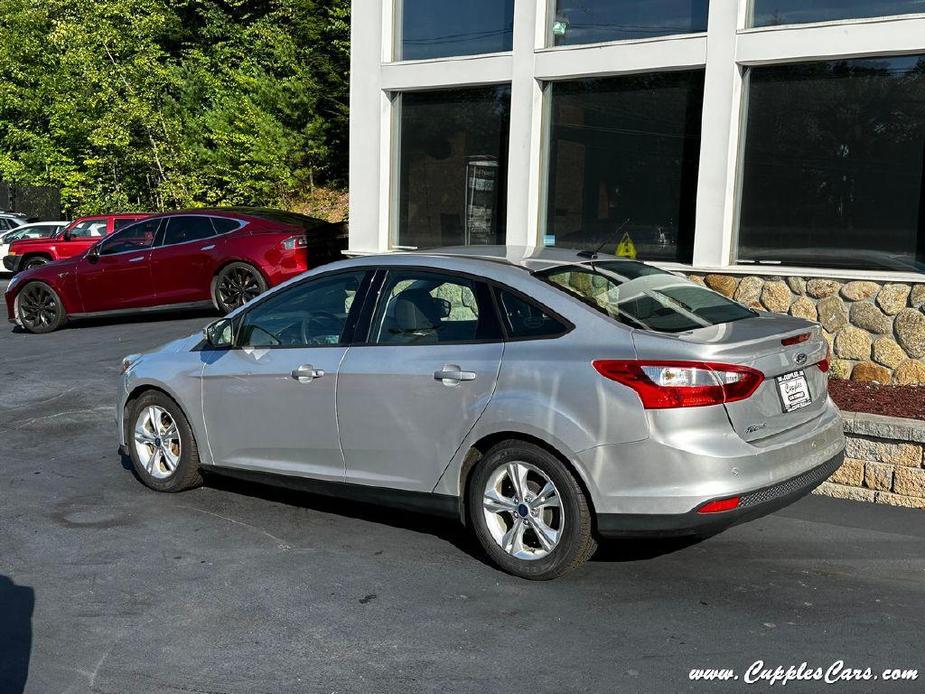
[645, 297]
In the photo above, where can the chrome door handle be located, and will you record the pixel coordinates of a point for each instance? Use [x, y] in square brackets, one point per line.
[451, 375]
[136, 260]
[208, 248]
[307, 373]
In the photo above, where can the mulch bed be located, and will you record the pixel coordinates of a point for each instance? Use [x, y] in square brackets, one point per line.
[892, 401]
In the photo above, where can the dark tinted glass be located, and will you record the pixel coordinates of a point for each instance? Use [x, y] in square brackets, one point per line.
[137, 237]
[187, 228]
[307, 314]
[429, 308]
[645, 297]
[833, 165]
[626, 148]
[435, 28]
[524, 319]
[453, 167]
[594, 21]
[223, 224]
[774, 12]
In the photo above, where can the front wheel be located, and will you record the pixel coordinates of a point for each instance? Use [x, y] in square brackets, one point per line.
[37, 261]
[235, 285]
[529, 513]
[39, 308]
[161, 444]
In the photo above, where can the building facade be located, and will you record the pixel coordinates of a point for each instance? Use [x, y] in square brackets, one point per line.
[774, 149]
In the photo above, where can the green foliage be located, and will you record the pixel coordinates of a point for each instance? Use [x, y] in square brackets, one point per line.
[153, 104]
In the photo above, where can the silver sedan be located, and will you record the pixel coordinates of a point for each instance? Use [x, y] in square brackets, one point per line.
[545, 398]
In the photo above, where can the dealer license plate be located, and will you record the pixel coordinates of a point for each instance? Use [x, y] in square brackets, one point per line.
[794, 391]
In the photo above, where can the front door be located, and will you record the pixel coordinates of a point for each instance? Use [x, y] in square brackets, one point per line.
[185, 260]
[407, 399]
[116, 274]
[269, 402]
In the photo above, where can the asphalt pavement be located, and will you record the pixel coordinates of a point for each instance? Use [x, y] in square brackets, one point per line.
[108, 587]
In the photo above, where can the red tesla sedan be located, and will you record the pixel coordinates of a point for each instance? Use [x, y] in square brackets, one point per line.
[222, 257]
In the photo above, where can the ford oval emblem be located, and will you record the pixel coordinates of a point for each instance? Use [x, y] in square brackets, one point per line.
[800, 358]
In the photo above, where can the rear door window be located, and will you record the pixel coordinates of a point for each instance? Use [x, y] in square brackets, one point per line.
[187, 228]
[642, 296]
[428, 308]
[89, 229]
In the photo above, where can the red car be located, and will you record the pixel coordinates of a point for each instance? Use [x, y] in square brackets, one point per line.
[73, 240]
[223, 257]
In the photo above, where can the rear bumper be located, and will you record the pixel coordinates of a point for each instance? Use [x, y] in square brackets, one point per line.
[753, 504]
[12, 262]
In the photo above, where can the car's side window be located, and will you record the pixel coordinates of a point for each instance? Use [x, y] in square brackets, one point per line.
[187, 228]
[122, 223]
[225, 224]
[423, 308]
[137, 237]
[526, 320]
[92, 228]
[308, 314]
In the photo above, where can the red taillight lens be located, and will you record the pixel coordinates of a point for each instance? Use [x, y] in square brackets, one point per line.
[827, 362]
[795, 340]
[719, 505]
[668, 384]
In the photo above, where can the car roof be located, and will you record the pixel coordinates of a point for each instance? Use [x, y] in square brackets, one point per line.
[529, 258]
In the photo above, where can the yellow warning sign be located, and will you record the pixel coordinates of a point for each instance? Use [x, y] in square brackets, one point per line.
[626, 248]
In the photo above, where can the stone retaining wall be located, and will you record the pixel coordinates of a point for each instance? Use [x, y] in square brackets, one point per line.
[876, 329]
[883, 461]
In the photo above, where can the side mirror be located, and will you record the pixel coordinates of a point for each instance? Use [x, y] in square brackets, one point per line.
[67, 235]
[219, 334]
[94, 254]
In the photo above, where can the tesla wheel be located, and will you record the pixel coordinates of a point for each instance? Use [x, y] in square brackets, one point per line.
[39, 308]
[36, 261]
[529, 513]
[161, 444]
[235, 285]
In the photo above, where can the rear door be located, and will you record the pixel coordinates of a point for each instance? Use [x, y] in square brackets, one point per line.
[187, 254]
[407, 398]
[119, 276]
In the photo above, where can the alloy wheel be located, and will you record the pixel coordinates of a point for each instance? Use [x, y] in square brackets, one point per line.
[236, 287]
[157, 442]
[523, 510]
[38, 307]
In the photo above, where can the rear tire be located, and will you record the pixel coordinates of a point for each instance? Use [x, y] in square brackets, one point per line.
[161, 444]
[39, 309]
[538, 527]
[235, 285]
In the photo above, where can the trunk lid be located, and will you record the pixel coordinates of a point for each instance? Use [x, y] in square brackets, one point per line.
[758, 343]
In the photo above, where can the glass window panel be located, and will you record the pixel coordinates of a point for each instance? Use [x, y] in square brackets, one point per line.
[623, 163]
[595, 21]
[833, 165]
[436, 29]
[308, 314]
[526, 320]
[453, 167]
[776, 12]
[187, 228]
[428, 308]
[137, 237]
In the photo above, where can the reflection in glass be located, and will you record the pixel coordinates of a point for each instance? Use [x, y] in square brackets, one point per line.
[437, 29]
[833, 165]
[625, 148]
[776, 12]
[595, 21]
[452, 179]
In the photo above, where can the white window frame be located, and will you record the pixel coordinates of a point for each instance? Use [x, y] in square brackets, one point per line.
[727, 48]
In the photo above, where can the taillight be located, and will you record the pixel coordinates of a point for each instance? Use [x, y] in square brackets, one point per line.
[294, 242]
[795, 340]
[667, 384]
[827, 362]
